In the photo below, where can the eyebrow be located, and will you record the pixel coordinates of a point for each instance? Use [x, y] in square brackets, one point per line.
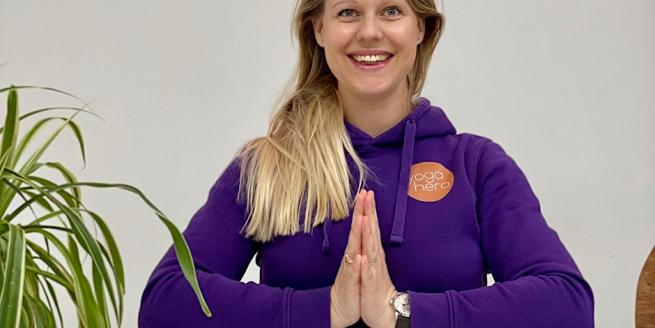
[339, 2]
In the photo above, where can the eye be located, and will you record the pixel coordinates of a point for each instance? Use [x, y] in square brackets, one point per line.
[346, 11]
[391, 9]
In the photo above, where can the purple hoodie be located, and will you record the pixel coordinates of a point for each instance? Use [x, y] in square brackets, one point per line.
[451, 208]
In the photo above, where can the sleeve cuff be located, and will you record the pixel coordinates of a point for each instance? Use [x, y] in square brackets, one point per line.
[430, 310]
[309, 308]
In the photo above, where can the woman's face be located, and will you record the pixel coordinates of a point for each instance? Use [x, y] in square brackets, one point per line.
[349, 29]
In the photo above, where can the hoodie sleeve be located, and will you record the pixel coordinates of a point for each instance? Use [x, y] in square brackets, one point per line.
[221, 255]
[537, 283]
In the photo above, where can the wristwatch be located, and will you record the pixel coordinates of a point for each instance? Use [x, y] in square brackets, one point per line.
[400, 303]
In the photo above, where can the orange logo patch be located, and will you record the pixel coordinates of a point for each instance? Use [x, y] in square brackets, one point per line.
[430, 181]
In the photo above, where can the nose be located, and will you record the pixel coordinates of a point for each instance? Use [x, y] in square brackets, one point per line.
[370, 29]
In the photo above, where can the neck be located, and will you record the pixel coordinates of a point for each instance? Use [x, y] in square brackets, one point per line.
[376, 115]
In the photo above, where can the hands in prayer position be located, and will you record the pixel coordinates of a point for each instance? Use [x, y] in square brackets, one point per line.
[363, 288]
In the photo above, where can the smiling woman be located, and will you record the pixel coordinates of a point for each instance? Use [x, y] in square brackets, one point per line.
[363, 205]
[370, 47]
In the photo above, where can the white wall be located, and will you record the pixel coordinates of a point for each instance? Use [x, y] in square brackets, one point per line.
[565, 86]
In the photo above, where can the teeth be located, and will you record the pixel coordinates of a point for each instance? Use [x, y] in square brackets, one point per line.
[369, 59]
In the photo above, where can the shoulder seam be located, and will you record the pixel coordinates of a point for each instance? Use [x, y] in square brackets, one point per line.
[477, 160]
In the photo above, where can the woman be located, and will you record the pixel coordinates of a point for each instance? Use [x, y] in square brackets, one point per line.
[364, 206]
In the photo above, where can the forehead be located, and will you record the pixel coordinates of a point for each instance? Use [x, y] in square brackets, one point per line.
[333, 3]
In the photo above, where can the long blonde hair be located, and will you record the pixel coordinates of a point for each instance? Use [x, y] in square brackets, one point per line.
[301, 161]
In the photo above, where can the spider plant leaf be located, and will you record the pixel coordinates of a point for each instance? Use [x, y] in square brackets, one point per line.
[10, 134]
[69, 177]
[40, 125]
[24, 318]
[27, 166]
[43, 218]
[41, 313]
[16, 87]
[36, 198]
[88, 311]
[40, 200]
[115, 257]
[4, 227]
[54, 300]
[181, 248]
[11, 297]
[8, 144]
[52, 276]
[61, 275]
[31, 284]
[49, 308]
[48, 184]
[100, 295]
[42, 110]
[41, 149]
[82, 235]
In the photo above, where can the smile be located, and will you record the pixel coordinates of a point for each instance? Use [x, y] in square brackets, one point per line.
[374, 62]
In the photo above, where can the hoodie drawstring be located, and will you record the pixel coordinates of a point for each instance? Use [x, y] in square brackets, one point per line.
[401, 191]
[403, 183]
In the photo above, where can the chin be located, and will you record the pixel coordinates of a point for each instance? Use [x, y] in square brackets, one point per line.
[372, 88]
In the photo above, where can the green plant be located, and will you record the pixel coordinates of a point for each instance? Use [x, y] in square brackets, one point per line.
[27, 270]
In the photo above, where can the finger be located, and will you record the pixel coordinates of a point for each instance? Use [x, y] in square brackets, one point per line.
[355, 269]
[366, 275]
[354, 246]
[370, 210]
[357, 212]
[359, 203]
[368, 241]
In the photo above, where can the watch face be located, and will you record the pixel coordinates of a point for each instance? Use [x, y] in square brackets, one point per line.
[401, 303]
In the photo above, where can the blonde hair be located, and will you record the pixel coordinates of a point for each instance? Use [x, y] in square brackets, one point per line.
[301, 161]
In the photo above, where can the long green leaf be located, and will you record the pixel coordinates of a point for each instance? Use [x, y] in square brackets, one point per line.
[54, 299]
[16, 87]
[40, 125]
[43, 317]
[115, 257]
[35, 270]
[40, 200]
[100, 296]
[36, 198]
[47, 307]
[12, 285]
[69, 177]
[8, 145]
[89, 310]
[10, 135]
[42, 110]
[82, 296]
[31, 161]
[181, 248]
[83, 236]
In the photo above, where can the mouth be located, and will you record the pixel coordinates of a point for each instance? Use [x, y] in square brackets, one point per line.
[369, 62]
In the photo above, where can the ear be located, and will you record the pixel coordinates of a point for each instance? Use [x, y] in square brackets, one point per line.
[421, 30]
[317, 24]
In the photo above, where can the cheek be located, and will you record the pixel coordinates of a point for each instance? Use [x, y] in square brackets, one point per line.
[338, 40]
[336, 45]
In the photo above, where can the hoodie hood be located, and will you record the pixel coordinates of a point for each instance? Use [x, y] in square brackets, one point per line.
[425, 121]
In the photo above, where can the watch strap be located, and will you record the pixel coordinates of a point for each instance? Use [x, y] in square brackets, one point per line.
[402, 322]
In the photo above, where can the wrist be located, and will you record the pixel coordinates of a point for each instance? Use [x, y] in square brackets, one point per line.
[390, 318]
[401, 307]
[336, 319]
